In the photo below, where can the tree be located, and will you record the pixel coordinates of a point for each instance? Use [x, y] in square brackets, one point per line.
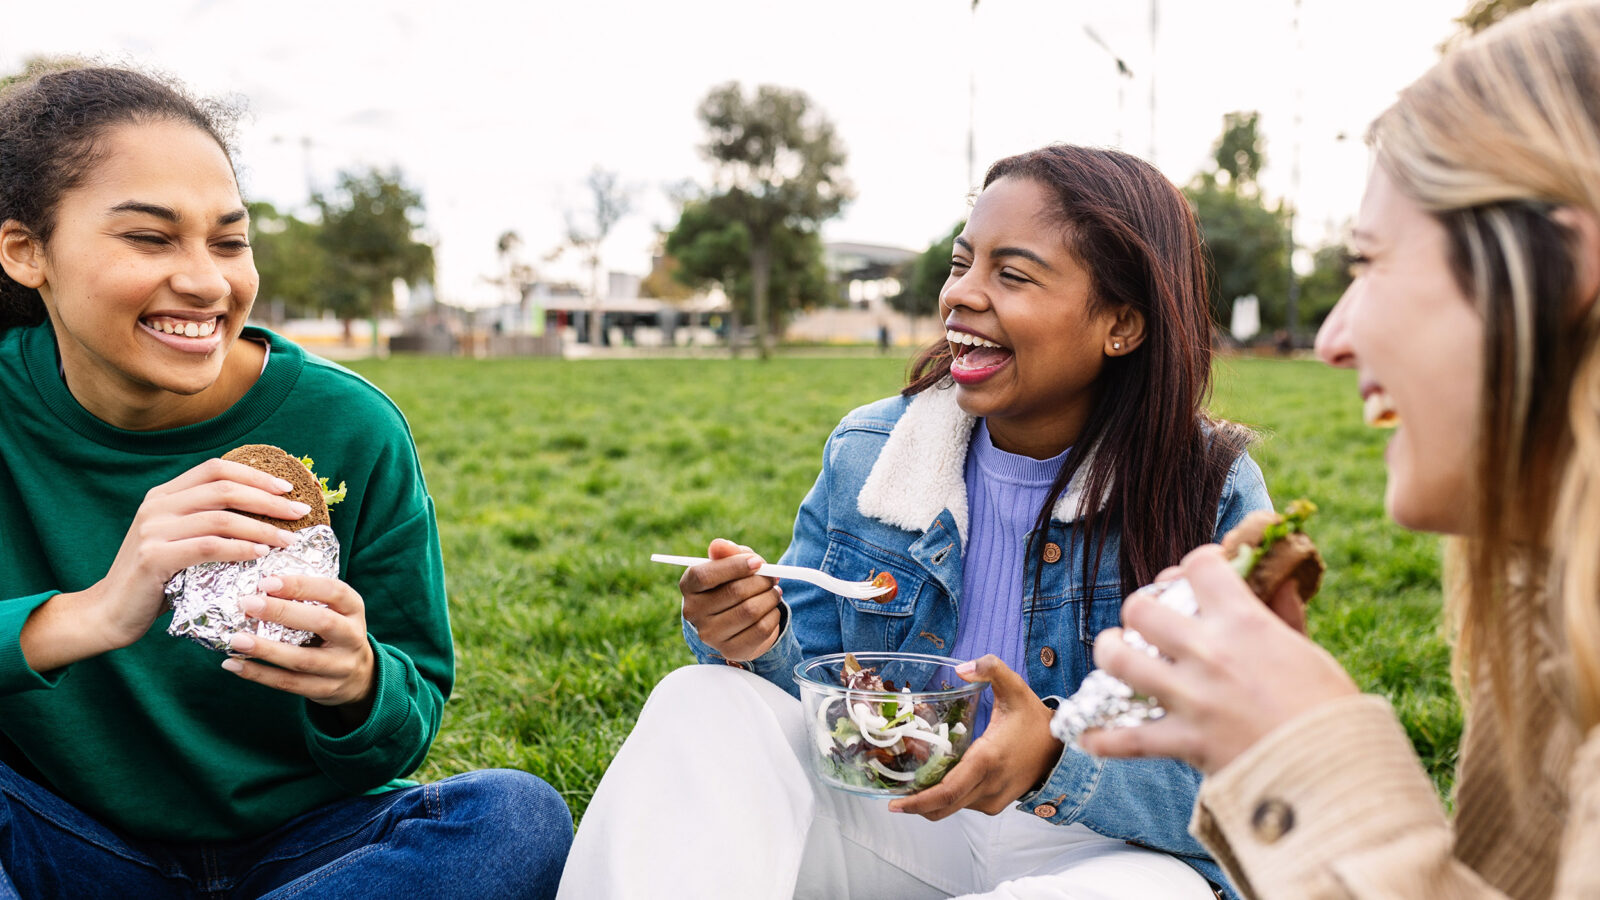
[778, 165]
[924, 277]
[1246, 240]
[711, 248]
[516, 276]
[1480, 15]
[611, 201]
[665, 281]
[290, 259]
[1322, 288]
[369, 231]
[1238, 152]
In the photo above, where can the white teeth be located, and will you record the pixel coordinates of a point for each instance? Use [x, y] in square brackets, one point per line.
[186, 329]
[971, 340]
[1378, 411]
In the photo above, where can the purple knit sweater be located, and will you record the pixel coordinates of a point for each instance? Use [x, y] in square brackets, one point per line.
[1004, 494]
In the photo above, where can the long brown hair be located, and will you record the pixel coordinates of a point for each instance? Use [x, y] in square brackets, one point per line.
[1148, 446]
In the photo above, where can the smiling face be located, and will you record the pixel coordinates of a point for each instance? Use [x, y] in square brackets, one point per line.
[1416, 341]
[147, 278]
[1027, 349]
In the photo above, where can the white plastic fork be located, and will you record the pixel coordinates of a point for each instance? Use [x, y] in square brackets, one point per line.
[860, 590]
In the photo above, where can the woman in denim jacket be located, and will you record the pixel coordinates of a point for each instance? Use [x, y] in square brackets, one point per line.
[1048, 456]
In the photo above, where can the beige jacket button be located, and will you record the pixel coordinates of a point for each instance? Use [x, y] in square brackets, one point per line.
[1044, 810]
[1272, 819]
[1052, 552]
[1047, 656]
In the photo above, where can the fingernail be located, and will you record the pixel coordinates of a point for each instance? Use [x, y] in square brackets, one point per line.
[262, 549]
[233, 665]
[243, 643]
[970, 667]
[283, 487]
[756, 562]
[299, 508]
[252, 605]
[269, 584]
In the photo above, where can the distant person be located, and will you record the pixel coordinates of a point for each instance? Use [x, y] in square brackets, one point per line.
[1050, 453]
[883, 338]
[135, 764]
[1473, 322]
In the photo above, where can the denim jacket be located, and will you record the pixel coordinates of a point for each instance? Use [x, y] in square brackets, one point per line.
[892, 497]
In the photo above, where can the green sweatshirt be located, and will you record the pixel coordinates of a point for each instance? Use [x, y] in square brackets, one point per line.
[156, 739]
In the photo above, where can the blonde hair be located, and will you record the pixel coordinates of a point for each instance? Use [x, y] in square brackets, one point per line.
[1500, 141]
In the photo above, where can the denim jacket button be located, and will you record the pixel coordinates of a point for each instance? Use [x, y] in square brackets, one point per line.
[1052, 552]
[1044, 810]
[1047, 656]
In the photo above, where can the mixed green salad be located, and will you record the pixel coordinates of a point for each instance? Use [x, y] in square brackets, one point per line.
[899, 743]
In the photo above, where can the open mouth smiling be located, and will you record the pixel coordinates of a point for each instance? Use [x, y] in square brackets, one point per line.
[1377, 410]
[974, 358]
[202, 328]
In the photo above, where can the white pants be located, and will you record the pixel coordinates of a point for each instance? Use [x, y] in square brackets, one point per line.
[712, 795]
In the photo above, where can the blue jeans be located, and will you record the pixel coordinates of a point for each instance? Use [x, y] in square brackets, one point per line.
[488, 834]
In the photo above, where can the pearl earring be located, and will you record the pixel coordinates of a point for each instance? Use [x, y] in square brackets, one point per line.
[1116, 345]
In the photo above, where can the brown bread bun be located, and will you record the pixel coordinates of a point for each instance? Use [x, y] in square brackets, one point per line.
[275, 461]
[1293, 556]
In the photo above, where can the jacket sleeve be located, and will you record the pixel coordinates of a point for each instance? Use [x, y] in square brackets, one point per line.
[1142, 801]
[1333, 804]
[395, 564]
[806, 608]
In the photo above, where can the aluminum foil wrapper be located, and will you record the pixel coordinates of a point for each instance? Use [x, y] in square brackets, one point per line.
[1103, 701]
[205, 597]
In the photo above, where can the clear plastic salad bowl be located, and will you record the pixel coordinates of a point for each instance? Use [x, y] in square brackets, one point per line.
[885, 724]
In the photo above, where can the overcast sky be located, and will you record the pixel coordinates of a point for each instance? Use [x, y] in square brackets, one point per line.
[498, 111]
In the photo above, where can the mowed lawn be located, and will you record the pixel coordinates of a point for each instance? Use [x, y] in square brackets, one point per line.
[555, 481]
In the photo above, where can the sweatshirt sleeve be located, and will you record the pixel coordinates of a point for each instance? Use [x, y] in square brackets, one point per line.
[16, 675]
[1333, 804]
[400, 576]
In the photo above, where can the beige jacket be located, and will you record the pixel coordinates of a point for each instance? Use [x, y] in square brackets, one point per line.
[1336, 804]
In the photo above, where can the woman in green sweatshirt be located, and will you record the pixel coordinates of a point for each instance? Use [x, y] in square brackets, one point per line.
[134, 763]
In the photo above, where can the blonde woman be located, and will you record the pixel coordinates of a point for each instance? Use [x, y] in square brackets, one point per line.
[1473, 319]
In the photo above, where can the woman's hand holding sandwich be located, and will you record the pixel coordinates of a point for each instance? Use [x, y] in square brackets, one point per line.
[1231, 674]
[336, 671]
[191, 519]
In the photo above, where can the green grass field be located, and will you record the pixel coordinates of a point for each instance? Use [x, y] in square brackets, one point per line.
[555, 481]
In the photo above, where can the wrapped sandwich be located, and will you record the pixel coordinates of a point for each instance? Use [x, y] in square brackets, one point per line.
[1266, 549]
[205, 597]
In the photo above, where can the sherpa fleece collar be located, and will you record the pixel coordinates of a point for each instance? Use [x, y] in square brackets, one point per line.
[921, 470]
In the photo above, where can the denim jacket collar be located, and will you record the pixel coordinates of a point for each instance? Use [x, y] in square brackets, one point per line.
[921, 470]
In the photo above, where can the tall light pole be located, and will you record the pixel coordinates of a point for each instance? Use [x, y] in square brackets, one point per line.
[1124, 75]
[972, 107]
[1292, 298]
[1153, 31]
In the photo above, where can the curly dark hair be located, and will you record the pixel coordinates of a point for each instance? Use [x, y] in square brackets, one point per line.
[51, 122]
